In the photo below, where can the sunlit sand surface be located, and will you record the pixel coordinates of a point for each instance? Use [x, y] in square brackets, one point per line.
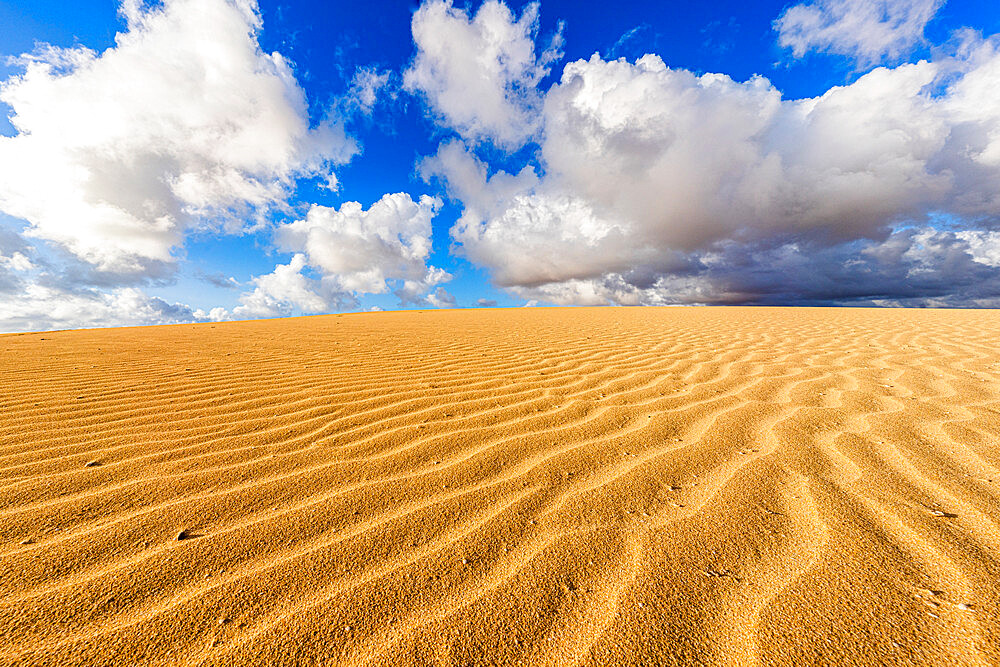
[732, 486]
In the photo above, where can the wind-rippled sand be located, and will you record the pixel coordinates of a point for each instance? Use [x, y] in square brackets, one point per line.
[554, 486]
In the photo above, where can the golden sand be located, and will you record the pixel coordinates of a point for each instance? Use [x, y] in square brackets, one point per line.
[730, 486]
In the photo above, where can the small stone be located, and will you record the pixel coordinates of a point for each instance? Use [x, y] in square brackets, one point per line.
[92, 464]
[183, 535]
[27, 540]
[223, 620]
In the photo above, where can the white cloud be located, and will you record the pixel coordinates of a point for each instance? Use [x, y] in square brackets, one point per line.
[352, 251]
[479, 73]
[281, 292]
[366, 86]
[16, 262]
[919, 266]
[646, 171]
[867, 30]
[441, 298]
[984, 247]
[43, 307]
[37, 294]
[359, 250]
[415, 291]
[184, 123]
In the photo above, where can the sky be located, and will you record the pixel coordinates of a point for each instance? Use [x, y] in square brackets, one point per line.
[207, 160]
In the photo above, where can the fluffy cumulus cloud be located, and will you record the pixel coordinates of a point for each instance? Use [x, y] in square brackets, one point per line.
[625, 182]
[867, 30]
[349, 252]
[441, 298]
[479, 73]
[918, 266]
[39, 294]
[281, 292]
[652, 182]
[39, 306]
[983, 247]
[184, 123]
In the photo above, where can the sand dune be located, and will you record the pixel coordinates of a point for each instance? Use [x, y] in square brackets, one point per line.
[733, 486]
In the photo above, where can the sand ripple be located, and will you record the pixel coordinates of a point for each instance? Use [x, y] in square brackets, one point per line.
[547, 486]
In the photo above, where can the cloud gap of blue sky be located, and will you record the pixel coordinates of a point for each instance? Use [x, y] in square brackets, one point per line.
[190, 160]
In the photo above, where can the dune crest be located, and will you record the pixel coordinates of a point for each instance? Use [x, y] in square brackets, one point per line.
[736, 486]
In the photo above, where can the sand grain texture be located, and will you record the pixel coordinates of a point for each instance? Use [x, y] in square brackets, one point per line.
[733, 486]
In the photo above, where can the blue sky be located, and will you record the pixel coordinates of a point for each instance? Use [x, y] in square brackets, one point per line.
[825, 152]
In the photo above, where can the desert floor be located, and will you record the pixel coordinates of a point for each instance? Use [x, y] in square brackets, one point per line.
[729, 486]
